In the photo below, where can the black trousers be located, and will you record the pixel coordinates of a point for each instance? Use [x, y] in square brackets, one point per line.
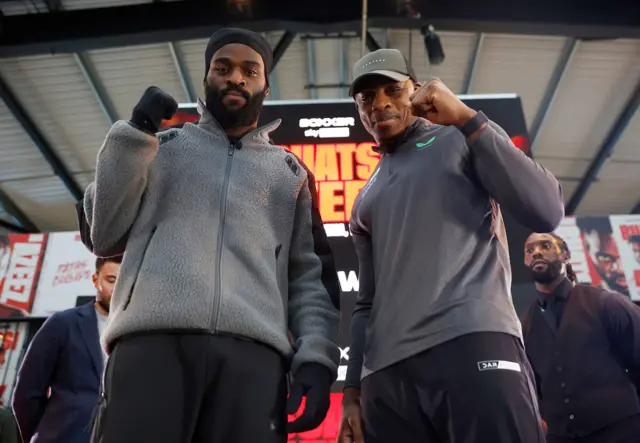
[477, 388]
[184, 388]
[624, 431]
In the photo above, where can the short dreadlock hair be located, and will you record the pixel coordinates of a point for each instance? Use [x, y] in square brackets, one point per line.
[571, 275]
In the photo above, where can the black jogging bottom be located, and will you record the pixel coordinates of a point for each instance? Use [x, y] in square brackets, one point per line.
[192, 388]
[477, 388]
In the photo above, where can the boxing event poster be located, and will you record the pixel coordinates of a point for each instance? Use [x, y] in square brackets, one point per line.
[626, 232]
[605, 251]
[20, 262]
[66, 274]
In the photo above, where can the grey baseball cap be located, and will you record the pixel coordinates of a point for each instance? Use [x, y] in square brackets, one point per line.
[389, 63]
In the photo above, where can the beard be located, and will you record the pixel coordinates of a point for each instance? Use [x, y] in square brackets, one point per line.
[549, 274]
[230, 118]
[104, 304]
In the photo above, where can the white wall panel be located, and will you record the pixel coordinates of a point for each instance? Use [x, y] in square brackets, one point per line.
[568, 188]
[457, 47]
[597, 84]
[45, 201]
[193, 55]
[19, 157]
[58, 99]
[127, 72]
[292, 72]
[19, 7]
[517, 63]
[90, 4]
[628, 147]
[610, 196]
[327, 64]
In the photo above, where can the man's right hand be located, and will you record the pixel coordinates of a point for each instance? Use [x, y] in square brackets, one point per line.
[351, 424]
[154, 106]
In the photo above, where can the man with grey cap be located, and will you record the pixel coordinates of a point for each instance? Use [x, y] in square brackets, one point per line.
[227, 283]
[436, 346]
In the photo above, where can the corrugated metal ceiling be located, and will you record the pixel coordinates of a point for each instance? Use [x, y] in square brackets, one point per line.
[53, 90]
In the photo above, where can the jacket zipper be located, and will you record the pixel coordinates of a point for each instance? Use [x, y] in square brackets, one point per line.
[215, 313]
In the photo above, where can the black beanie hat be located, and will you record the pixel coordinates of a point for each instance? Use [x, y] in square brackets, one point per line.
[226, 36]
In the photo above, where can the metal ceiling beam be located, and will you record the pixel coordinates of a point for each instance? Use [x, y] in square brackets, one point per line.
[38, 139]
[183, 75]
[311, 69]
[372, 43]
[564, 61]
[344, 67]
[470, 75]
[97, 88]
[13, 210]
[86, 29]
[605, 150]
[283, 44]
[636, 208]
[11, 227]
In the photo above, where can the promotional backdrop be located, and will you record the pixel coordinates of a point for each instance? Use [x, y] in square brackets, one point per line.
[41, 274]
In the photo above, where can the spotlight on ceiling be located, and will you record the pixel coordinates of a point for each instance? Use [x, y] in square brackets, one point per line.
[432, 43]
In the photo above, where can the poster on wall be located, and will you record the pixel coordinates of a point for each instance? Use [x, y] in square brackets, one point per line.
[12, 342]
[626, 232]
[65, 276]
[605, 251]
[20, 263]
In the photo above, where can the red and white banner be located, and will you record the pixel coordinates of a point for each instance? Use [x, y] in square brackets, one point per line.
[66, 274]
[19, 272]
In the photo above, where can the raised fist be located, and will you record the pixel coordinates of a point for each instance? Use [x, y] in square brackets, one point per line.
[154, 106]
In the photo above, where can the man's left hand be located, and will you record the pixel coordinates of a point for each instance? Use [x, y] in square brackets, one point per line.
[312, 381]
[438, 104]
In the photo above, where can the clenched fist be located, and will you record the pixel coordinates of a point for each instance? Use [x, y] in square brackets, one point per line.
[435, 102]
[154, 106]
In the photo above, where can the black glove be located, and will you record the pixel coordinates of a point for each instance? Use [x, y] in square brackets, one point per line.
[154, 106]
[313, 381]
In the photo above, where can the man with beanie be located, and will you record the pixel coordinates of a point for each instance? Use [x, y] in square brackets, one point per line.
[436, 350]
[227, 285]
[584, 345]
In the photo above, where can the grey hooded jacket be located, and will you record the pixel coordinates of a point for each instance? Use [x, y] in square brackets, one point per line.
[219, 238]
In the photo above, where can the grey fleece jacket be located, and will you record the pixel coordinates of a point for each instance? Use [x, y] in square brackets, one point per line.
[218, 239]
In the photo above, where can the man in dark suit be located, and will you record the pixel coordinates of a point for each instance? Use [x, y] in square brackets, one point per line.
[584, 346]
[59, 381]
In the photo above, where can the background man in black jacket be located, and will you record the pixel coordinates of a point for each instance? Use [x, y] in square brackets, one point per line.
[583, 343]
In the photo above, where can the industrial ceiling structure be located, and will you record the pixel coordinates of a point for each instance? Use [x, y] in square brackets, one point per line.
[70, 68]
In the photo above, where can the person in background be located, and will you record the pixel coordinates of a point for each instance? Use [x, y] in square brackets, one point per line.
[228, 283]
[436, 347]
[58, 383]
[584, 345]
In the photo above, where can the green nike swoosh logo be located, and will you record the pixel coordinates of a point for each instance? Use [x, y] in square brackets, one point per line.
[425, 144]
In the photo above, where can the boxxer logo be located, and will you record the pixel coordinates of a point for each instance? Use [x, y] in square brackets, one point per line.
[344, 353]
[327, 122]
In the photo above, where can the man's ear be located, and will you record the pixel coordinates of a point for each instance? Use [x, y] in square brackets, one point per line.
[267, 91]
